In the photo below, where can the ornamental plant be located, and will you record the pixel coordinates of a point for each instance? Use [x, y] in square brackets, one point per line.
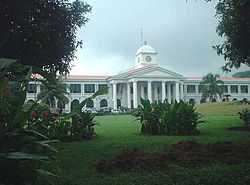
[168, 119]
[245, 116]
[24, 151]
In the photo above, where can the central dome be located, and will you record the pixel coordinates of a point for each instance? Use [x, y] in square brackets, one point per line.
[146, 49]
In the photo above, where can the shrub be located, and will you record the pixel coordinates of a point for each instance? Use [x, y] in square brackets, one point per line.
[171, 119]
[181, 119]
[244, 101]
[83, 125]
[149, 117]
[245, 116]
[203, 100]
[191, 101]
[24, 152]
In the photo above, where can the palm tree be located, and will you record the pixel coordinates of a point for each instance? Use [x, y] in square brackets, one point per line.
[211, 87]
[53, 89]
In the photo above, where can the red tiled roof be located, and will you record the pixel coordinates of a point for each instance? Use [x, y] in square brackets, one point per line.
[86, 77]
[221, 78]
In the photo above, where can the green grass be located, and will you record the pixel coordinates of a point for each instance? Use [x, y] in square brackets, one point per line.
[220, 109]
[118, 133]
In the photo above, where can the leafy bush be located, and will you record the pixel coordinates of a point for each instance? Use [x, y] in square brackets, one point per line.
[83, 125]
[23, 151]
[171, 119]
[245, 116]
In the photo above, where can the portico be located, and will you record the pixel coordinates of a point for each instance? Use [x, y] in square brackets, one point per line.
[153, 90]
[145, 80]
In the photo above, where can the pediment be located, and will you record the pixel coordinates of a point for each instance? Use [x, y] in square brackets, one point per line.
[157, 72]
[152, 71]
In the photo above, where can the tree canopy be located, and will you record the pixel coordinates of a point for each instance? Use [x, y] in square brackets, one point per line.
[41, 33]
[234, 28]
[212, 88]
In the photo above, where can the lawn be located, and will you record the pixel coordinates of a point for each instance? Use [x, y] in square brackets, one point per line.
[121, 132]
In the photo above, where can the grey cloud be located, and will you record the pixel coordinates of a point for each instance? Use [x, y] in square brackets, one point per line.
[182, 33]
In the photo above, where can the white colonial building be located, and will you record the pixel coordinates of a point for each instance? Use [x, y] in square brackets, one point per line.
[145, 80]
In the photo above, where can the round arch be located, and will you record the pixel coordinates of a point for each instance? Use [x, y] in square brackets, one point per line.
[74, 104]
[30, 101]
[103, 103]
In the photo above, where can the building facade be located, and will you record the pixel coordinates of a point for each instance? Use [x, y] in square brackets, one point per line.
[145, 80]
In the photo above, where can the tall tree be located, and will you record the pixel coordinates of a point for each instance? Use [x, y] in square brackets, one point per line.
[41, 33]
[212, 88]
[234, 28]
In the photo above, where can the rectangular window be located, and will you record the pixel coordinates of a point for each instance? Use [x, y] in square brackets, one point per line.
[200, 88]
[89, 88]
[75, 88]
[190, 89]
[234, 88]
[32, 88]
[244, 89]
[102, 86]
[145, 90]
[225, 89]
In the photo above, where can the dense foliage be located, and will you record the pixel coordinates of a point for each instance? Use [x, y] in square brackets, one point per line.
[234, 28]
[211, 87]
[170, 119]
[53, 90]
[41, 33]
[245, 116]
[74, 126]
[23, 150]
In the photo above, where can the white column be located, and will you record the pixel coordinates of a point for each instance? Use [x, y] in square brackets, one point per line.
[82, 89]
[128, 95]
[229, 89]
[69, 106]
[114, 96]
[177, 91]
[135, 95]
[142, 92]
[155, 92]
[169, 93]
[163, 90]
[38, 90]
[196, 89]
[181, 92]
[150, 91]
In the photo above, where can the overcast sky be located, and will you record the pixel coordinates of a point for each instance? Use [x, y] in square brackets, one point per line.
[182, 33]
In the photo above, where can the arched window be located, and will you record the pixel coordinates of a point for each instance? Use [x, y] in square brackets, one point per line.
[191, 101]
[30, 102]
[103, 103]
[74, 104]
[90, 104]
